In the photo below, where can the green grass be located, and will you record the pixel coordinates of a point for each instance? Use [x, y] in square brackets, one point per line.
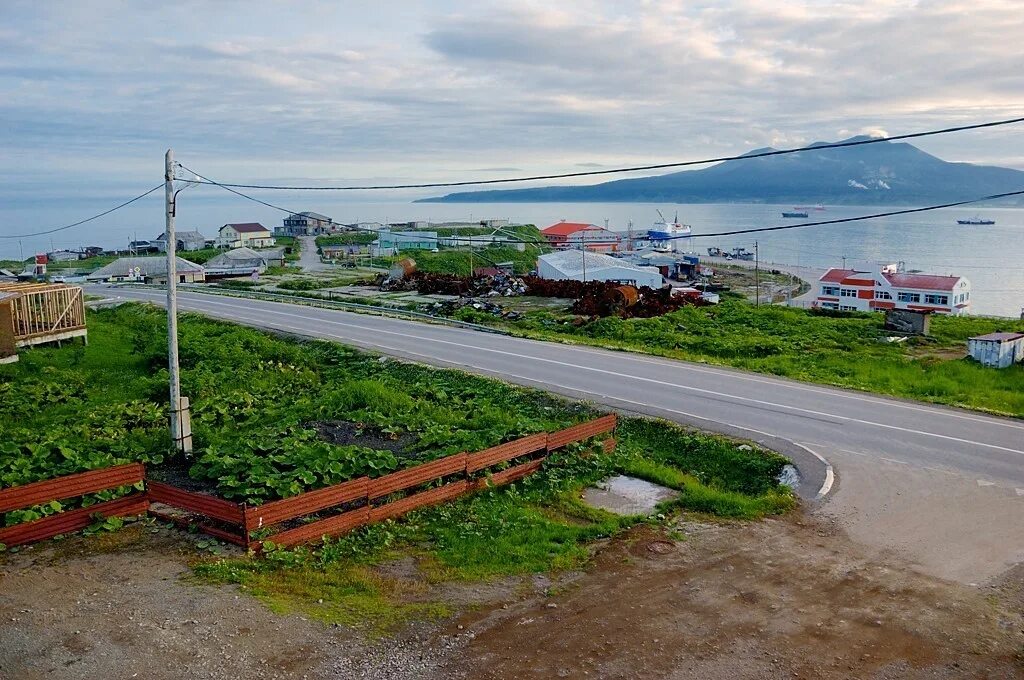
[64, 410]
[844, 350]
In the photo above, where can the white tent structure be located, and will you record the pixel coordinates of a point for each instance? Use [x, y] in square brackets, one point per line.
[579, 265]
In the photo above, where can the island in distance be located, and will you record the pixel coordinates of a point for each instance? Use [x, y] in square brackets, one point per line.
[892, 173]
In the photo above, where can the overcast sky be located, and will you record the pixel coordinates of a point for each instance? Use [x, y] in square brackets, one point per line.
[93, 92]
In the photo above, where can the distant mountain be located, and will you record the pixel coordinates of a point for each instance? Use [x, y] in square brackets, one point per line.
[882, 173]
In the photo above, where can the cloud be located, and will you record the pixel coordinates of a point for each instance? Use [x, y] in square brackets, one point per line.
[255, 90]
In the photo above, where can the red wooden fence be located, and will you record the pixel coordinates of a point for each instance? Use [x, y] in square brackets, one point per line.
[71, 486]
[236, 522]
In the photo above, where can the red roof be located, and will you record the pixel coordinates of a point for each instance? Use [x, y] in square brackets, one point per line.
[837, 275]
[247, 227]
[922, 281]
[918, 281]
[566, 228]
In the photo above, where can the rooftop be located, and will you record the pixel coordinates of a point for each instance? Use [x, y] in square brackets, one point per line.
[914, 281]
[572, 262]
[566, 228]
[311, 215]
[999, 337]
[247, 227]
[148, 266]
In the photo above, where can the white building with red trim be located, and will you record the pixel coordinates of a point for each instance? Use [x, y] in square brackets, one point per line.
[861, 291]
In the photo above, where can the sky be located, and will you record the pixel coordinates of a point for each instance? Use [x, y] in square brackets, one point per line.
[93, 92]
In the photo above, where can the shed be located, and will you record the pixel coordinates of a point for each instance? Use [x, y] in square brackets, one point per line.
[33, 314]
[998, 350]
[579, 265]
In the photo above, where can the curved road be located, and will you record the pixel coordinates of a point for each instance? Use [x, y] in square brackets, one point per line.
[884, 440]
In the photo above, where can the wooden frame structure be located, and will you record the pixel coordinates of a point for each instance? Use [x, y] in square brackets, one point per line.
[45, 312]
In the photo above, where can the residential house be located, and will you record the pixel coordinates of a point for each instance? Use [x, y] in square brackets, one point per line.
[183, 240]
[580, 235]
[887, 288]
[343, 251]
[304, 224]
[582, 265]
[148, 270]
[245, 234]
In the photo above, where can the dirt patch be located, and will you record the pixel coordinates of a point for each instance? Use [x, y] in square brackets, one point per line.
[783, 598]
[776, 599]
[343, 432]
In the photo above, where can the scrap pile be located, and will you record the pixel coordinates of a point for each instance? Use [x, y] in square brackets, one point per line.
[449, 307]
[502, 285]
[606, 298]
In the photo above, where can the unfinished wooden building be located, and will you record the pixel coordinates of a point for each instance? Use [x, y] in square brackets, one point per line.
[37, 313]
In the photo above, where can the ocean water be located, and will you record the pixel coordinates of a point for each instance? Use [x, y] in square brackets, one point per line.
[992, 257]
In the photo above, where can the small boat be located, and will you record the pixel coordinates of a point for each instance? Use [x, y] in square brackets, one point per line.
[794, 214]
[976, 220]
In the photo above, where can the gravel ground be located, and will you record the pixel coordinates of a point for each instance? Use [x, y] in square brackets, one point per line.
[782, 598]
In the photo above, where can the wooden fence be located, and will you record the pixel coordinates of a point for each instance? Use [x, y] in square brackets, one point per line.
[360, 501]
[71, 486]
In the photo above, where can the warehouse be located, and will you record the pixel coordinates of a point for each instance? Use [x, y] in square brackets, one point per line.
[579, 265]
[148, 270]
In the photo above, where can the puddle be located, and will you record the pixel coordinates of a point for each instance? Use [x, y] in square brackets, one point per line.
[789, 477]
[627, 495]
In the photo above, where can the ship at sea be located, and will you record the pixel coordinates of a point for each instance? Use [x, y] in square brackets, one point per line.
[795, 213]
[976, 220]
[665, 235]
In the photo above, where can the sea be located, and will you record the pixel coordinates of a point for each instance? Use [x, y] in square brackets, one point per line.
[992, 256]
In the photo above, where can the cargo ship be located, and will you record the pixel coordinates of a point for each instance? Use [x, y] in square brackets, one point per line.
[795, 213]
[976, 220]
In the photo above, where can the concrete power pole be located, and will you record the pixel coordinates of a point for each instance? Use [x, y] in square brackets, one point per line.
[181, 427]
[757, 277]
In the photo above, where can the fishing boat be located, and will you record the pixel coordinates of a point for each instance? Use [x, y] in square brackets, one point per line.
[795, 213]
[976, 220]
[665, 235]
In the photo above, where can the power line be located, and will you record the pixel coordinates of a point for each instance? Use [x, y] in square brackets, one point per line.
[635, 168]
[88, 219]
[781, 227]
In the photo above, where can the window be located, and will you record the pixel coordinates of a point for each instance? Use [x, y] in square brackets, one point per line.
[847, 308]
[908, 297]
[829, 305]
[830, 290]
[933, 299]
[849, 292]
[882, 295]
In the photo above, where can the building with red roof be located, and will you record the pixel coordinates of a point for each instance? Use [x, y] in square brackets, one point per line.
[579, 235]
[888, 288]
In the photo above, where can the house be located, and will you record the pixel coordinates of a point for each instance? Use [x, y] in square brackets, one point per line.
[887, 288]
[580, 235]
[183, 240]
[999, 350]
[304, 224]
[393, 242]
[148, 270]
[245, 234]
[145, 246]
[581, 265]
[238, 262]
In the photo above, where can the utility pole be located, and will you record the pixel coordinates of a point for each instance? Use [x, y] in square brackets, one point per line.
[757, 277]
[181, 427]
[844, 261]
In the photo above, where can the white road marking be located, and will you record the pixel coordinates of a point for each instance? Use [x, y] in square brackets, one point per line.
[893, 460]
[682, 365]
[830, 477]
[648, 380]
[617, 375]
[985, 482]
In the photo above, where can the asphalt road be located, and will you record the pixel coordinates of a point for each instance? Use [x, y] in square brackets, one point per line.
[939, 446]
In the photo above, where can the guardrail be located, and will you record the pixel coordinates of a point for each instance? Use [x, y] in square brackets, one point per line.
[326, 304]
